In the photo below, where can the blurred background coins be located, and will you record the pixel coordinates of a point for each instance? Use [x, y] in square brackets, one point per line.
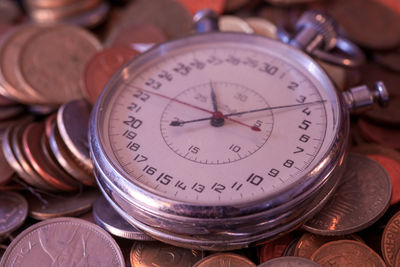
[145, 254]
[347, 253]
[63, 242]
[360, 200]
[13, 211]
[290, 261]
[106, 217]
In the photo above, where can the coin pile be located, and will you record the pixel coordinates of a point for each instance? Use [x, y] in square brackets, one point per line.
[51, 75]
[86, 13]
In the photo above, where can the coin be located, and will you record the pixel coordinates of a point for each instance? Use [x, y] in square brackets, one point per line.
[372, 72]
[61, 205]
[291, 247]
[101, 68]
[9, 11]
[55, 58]
[224, 259]
[396, 262]
[31, 139]
[63, 242]
[388, 115]
[391, 239]
[194, 5]
[13, 211]
[263, 27]
[274, 249]
[289, 2]
[4, 101]
[380, 25]
[233, 24]
[384, 136]
[6, 172]
[360, 200]
[49, 3]
[90, 18]
[347, 253]
[389, 60]
[290, 261]
[375, 149]
[232, 5]
[309, 243]
[145, 254]
[106, 217]
[72, 124]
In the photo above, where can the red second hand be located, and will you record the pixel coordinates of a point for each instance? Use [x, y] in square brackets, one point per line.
[214, 114]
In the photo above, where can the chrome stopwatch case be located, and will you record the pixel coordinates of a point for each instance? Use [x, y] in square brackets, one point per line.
[219, 141]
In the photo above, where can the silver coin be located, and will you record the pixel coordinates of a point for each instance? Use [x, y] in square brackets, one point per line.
[63, 242]
[106, 217]
[290, 261]
[61, 206]
[13, 211]
[361, 199]
[72, 124]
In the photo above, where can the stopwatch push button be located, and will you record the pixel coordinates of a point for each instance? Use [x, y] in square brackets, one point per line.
[361, 96]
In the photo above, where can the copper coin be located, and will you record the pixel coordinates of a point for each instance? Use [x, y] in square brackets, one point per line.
[170, 16]
[384, 136]
[31, 143]
[10, 50]
[375, 149]
[372, 72]
[63, 242]
[4, 101]
[291, 247]
[9, 11]
[389, 60]
[347, 253]
[66, 159]
[389, 115]
[145, 254]
[62, 205]
[274, 249]
[72, 124]
[23, 118]
[392, 167]
[396, 262]
[56, 58]
[391, 239]
[290, 261]
[108, 218]
[360, 200]
[13, 211]
[232, 5]
[194, 5]
[392, 4]
[223, 260]
[126, 35]
[309, 243]
[10, 112]
[102, 67]
[367, 22]
[6, 172]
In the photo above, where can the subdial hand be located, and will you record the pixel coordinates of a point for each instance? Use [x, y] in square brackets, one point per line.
[181, 123]
[217, 119]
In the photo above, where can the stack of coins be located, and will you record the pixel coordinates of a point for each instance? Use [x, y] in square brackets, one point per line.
[87, 13]
[51, 75]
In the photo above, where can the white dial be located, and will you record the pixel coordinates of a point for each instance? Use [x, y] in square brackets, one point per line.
[218, 123]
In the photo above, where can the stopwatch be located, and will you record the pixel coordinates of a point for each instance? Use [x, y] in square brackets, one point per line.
[220, 140]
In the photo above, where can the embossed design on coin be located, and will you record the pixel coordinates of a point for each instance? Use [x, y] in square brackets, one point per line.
[160, 254]
[361, 199]
[13, 211]
[391, 239]
[223, 260]
[63, 242]
[290, 261]
[347, 253]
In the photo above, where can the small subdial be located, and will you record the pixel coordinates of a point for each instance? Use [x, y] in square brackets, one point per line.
[218, 134]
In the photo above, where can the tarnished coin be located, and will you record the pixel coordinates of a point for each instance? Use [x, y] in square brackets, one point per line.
[367, 22]
[13, 211]
[102, 67]
[263, 27]
[53, 61]
[72, 124]
[63, 242]
[229, 23]
[384, 136]
[391, 239]
[170, 16]
[389, 60]
[388, 115]
[6, 172]
[223, 260]
[290, 261]
[145, 254]
[347, 253]
[360, 200]
[111, 221]
[32, 149]
[90, 18]
[275, 248]
[128, 35]
[309, 243]
[62, 205]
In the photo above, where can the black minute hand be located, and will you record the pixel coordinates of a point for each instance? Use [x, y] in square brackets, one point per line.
[180, 123]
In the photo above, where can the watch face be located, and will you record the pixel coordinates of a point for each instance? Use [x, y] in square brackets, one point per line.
[218, 121]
